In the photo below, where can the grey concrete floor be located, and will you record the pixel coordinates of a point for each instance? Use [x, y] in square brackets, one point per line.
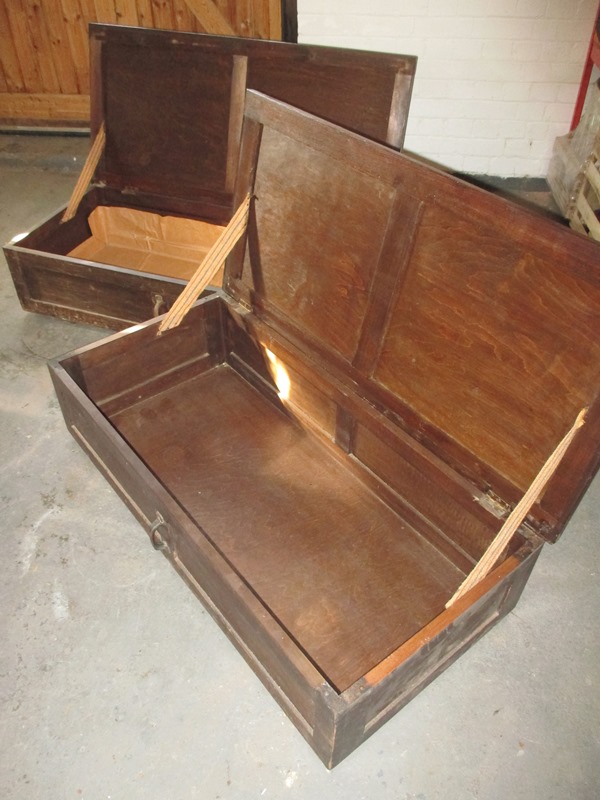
[114, 682]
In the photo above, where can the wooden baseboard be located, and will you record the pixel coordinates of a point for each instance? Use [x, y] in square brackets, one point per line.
[52, 109]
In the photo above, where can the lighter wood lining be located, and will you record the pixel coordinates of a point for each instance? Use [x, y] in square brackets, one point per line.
[147, 242]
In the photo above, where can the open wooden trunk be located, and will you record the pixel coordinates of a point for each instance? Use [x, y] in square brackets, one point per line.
[325, 448]
[172, 106]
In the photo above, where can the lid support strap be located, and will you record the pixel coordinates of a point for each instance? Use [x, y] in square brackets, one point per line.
[519, 512]
[86, 174]
[209, 267]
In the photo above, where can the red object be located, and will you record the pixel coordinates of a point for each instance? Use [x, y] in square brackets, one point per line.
[593, 57]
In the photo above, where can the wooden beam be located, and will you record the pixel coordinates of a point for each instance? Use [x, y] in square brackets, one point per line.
[210, 17]
[52, 108]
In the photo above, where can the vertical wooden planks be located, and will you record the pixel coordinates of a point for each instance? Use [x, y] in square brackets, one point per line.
[39, 38]
[258, 24]
[144, 13]
[275, 28]
[10, 61]
[260, 19]
[58, 43]
[105, 11]
[162, 14]
[44, 53]
[17, 17]
[184, 18]
[211, 17]
[240, 16]
[126, 12]
[265, 19]
[76, 26]
[3, 83]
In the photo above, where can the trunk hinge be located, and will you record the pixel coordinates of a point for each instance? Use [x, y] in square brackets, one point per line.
[241, 306]
[492, 502]
[501, 509]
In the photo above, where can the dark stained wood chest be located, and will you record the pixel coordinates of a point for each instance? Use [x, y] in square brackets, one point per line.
[326, 447]
[172, 106]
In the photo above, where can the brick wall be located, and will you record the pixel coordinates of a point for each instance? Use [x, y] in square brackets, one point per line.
[496, 79]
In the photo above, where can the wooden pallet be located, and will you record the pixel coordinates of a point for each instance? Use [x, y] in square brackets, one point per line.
[571, 156]
[584, 214]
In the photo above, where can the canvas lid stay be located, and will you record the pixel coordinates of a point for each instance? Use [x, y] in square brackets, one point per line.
[471, 322]
[172, 104]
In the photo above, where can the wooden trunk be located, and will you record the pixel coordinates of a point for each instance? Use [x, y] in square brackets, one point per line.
[172, 105]
[326, 447]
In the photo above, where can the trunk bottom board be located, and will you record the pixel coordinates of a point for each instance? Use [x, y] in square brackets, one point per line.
[347, 578]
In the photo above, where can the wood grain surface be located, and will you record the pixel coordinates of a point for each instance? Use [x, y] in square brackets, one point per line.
[344, 575]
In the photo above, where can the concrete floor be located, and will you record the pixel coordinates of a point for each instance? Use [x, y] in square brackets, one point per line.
[114, 682]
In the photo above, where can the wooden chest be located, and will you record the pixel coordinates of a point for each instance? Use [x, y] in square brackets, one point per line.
[326, 447]
[171, 105]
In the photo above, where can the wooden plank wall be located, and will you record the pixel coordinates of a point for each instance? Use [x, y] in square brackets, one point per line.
[44, 74]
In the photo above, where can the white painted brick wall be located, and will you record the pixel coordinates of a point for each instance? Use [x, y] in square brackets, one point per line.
[496, 80]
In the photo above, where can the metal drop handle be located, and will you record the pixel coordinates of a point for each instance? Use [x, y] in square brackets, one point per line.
[158, 542]
[158, 303]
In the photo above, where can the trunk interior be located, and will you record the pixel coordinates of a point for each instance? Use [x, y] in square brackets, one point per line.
[350, 565]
